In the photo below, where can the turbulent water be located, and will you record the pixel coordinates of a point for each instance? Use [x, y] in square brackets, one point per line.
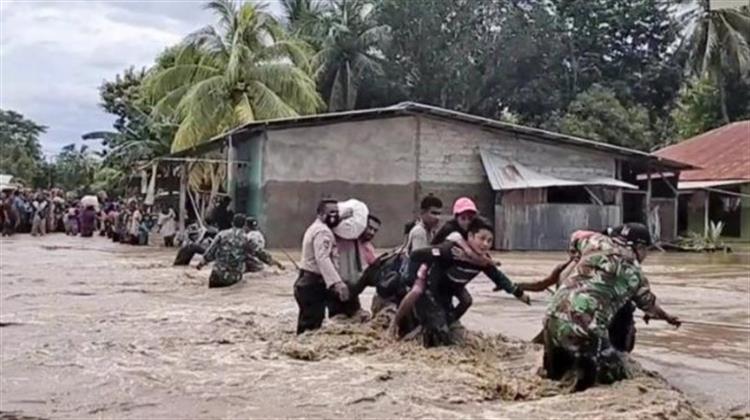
[92, 329]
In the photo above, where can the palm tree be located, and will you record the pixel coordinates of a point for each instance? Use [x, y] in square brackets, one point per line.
[351, 45]
[302, 17]
[718, 42]
[244, 69]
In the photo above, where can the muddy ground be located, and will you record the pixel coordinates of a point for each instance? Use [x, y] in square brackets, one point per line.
[91, 329]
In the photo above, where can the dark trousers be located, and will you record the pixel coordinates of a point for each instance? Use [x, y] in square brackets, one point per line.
[311, 295]
[186, 253]
[169, 241]
[337, 307]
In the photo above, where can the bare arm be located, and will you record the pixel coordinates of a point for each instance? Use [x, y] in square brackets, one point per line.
[645, 300]
[410, 300]
[552, 279]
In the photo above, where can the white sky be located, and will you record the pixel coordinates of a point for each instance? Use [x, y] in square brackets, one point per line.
[55, 54]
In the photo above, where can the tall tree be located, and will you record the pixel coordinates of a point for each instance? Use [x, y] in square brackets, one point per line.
[597, 114]
[718, 43]
[622, 44]
[350, 49]
[138, 135]
[244, 69]
[302, 18]
[20, 151]
[75, 169]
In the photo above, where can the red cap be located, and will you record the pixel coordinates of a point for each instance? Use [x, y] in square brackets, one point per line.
[464, 204]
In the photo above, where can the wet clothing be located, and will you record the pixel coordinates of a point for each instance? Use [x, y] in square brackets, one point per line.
[257, 237]
[311, 294]
[447, 277]
[449, 227]
[230, 249]
[186, 253]
[39, 221]
[319, 270]
[418, 237]
[167, 227]
[88, 222]
[221, 217]
[319, 253]
[606, 279]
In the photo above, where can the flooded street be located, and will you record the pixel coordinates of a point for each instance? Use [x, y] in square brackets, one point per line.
[92, 329]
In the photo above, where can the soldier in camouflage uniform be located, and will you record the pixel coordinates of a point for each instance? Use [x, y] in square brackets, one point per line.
[230, 249]
[607, 277]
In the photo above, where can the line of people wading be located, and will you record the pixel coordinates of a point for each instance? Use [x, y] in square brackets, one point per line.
[588, 326]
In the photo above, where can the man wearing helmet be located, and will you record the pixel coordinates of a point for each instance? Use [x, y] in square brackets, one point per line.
[607, 277]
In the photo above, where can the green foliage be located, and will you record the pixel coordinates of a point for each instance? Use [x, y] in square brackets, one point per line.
[350, 44]
[244, 69]
[698, 110]
[20, 151]
[597, 114]
[709, 242]
[138, 136]
[718, 44]
[75, 169]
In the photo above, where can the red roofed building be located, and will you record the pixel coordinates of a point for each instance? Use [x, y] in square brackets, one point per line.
[721, 185]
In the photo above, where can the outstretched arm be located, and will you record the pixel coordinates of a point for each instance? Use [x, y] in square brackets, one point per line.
[552, 279]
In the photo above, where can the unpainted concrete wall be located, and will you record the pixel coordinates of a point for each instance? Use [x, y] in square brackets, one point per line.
[449, 152]
[450, 165]
[373, 161]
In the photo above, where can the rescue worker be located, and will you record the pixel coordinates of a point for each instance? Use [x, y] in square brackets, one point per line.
[607, 277]
[319, 279]
[230, 249]
[622, 329]
[257, 242]
[446, 272]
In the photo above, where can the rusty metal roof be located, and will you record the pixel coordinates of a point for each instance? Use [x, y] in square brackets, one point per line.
[507, 174]
[721, 154]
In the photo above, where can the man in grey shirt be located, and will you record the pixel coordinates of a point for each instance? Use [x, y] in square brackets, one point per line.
[420, 236]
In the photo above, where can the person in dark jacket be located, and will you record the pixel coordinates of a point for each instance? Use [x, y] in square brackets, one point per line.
[221, 216]
[445, 273]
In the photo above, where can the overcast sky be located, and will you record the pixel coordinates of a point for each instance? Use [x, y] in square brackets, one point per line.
[55, 54]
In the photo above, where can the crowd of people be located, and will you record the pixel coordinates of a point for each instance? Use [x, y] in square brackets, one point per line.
[420, 287]
[40, 212]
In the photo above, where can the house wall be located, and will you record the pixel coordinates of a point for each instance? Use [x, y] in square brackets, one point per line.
[549, 226]
[373, 161]
[450, 166]
[696, 216]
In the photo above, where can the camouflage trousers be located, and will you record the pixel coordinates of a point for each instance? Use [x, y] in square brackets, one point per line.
[589, 355]
[221, 278]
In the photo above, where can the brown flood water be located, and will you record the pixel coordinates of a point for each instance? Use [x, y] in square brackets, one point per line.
[92, 329]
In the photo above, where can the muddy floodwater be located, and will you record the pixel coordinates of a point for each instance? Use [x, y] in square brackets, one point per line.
[92, 329]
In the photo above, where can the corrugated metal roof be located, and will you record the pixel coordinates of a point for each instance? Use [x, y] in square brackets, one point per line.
[721, 154]
[507, 174]
[412, 108]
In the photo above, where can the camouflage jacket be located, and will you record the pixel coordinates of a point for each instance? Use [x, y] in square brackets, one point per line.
[230, 250]
[607, 276]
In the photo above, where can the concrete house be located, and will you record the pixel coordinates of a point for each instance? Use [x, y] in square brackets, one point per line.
[720, 189]
[537, 186]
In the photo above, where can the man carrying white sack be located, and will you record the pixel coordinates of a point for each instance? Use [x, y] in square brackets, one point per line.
[353, 241]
